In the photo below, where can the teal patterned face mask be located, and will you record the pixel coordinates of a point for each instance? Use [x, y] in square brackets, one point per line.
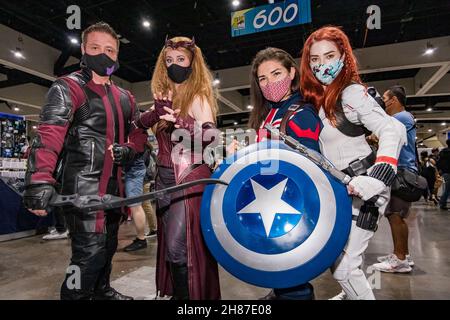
[326, 73]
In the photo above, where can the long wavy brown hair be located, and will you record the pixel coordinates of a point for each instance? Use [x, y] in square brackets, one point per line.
[311, 88]
[199, 83]
[260, 105]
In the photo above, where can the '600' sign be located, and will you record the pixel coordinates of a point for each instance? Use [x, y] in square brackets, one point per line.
[270, 17]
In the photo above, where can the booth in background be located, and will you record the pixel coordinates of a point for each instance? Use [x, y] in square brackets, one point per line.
[15, 220]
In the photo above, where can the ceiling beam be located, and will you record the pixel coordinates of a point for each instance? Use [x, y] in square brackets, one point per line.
[438, 75]
[228, 103]
[12, 82]
[58, 67]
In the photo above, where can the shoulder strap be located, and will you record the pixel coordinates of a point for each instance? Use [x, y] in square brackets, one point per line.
[346, 126]
[293, 108]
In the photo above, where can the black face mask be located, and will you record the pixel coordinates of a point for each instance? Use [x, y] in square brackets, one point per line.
[101, 64]
[177, 73]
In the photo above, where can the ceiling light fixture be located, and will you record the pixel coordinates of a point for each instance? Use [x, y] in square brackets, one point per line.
[146, 24]
[430, 49]
[18, 53]
[216, 80]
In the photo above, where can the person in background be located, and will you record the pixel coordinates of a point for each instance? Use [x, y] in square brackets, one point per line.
[398, 210]
[444, 167]
[134, 186]
[439, 180]
[435, 154]
[149, 185]
[429, 172]
[59, 230]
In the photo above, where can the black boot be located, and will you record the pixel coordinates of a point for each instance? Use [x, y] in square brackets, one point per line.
[270, 296]
[111, 294]
[104, 291]
[180, 281]
[137, 244]
[300, 292]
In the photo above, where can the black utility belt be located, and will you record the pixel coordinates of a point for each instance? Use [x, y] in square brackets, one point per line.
[359, 167]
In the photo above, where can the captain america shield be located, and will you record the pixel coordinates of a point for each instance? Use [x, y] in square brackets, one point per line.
[280, 222]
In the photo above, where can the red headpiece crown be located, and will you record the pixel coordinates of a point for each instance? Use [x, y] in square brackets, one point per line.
[189, 45]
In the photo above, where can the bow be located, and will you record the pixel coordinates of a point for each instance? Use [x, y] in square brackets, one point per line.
[95, 202]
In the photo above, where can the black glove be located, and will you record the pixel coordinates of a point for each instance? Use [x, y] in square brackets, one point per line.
[38, 196]
[123, 155]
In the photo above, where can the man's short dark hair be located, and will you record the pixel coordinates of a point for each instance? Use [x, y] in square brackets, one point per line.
[398, 92]
[100, 27]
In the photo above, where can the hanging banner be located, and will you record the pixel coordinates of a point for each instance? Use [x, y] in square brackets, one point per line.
[11, 116]
[270, 17]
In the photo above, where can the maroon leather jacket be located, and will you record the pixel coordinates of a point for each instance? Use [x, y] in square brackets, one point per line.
[79, 121]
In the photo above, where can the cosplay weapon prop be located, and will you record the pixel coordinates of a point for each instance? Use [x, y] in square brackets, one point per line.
[108, 201]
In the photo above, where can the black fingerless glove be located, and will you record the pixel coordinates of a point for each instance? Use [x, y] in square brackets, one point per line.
[123, 155]
[160, 104]
[150, 118]
[38, 196]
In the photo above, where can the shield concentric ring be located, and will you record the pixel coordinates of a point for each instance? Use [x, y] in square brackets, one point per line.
[285, 260]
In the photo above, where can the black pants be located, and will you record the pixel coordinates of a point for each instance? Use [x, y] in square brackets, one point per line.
[90, 267]
[300, 292]
[59, 220]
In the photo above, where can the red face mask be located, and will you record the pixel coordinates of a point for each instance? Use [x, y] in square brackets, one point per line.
[275, 91]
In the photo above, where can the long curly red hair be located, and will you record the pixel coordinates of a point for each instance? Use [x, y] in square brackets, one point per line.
[311, 89]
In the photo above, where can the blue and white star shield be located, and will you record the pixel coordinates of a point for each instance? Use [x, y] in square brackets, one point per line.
[280, 222]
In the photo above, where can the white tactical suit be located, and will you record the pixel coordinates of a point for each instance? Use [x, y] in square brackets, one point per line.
[360, 109]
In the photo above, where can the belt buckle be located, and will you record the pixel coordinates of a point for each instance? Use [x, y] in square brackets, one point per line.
[357, 167]
[293, 107]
